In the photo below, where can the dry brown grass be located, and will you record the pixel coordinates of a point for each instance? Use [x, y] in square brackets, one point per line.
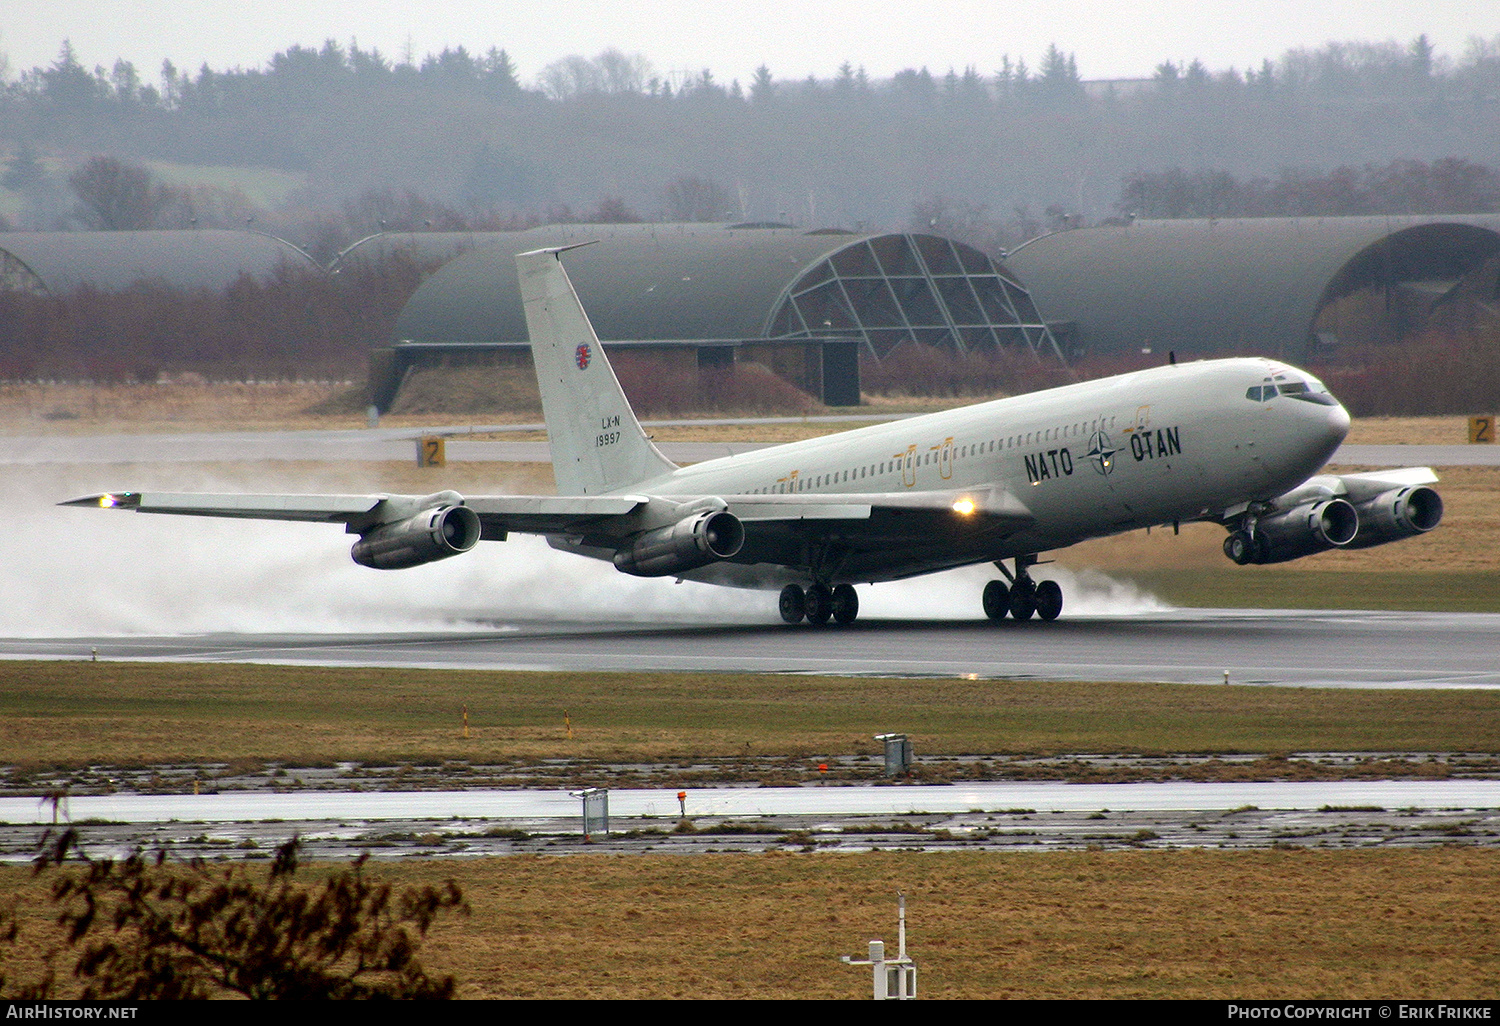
[1181, 924]
[1409, 431]
[453, 397]
[75, 713]
[104, 409]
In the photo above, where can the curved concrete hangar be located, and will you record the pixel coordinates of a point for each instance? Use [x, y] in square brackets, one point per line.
[722, 281]
[1272, 286]
[802, 303]
[47, 263]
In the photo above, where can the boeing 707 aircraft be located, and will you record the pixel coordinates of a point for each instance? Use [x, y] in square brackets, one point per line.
[1236, 441]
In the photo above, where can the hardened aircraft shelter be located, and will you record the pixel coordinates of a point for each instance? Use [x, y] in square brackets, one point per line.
[51, 263]
[1288, 287]
[804, 302]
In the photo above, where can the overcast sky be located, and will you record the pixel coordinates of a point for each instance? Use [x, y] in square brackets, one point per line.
[1112, 39]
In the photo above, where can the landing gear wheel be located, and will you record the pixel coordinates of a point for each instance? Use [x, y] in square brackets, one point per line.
[1023, 600]
[793, 605]
[1240, 547]
[996, 600]
[845, 604]
[819, 602]
[1049, 601]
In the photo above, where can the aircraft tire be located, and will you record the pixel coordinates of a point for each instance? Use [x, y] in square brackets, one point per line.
[1022, 603]
[996, 600]
[792, 604]
[1240, 547]
[1049, 600]
[845, 604]
[819, 604]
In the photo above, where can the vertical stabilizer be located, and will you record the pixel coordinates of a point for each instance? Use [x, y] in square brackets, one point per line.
[597, 444]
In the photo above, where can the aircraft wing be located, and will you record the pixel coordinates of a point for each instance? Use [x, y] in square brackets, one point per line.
[584, 514]
[1357, 488]
[325, 509]
[497, 514]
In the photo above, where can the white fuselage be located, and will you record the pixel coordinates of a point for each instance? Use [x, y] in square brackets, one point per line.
[1172, 443]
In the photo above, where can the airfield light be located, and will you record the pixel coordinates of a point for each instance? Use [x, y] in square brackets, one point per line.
[964, 507]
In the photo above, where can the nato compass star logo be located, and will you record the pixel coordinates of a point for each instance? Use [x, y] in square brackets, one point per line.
[1102, 452]
[581, 356]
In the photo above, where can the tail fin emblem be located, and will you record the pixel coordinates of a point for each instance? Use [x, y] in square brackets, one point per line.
[581, 356]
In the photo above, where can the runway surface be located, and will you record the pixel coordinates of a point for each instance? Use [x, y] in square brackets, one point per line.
[963, 817]
[399, 444]
[1271, 647]
[771, 801]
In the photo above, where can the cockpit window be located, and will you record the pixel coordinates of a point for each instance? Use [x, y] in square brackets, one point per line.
[1308, 392]
[1300, 390]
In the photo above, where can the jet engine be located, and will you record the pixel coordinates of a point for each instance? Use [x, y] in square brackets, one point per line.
[1396, 514]
[1300, 531]
[694, 541]
[431, 535]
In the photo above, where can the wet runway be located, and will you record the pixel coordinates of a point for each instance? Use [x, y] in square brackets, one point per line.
[1272, 647]
[971, 816]
[917, 799]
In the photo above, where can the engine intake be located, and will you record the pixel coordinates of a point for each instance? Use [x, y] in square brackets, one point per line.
[1313, 527]
[694, 541]
[427, 537]
[1396, 514]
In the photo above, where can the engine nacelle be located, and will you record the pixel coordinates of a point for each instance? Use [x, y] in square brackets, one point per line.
[1396, 514]
[1312, 527]
[427, 537]
[694, 541]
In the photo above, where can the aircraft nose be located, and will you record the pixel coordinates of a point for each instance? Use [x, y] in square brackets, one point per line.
[1338, 421]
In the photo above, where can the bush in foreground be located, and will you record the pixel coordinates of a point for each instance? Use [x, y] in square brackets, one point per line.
[149, 928]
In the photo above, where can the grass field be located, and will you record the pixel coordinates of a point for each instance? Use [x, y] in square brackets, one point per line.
[81, 713]
[1188, 924]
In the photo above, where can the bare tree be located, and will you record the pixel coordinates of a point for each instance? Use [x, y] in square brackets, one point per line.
[690, 198]
[622, 73]
[116, 196]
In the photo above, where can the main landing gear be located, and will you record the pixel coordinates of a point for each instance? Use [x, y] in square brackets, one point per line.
[1023, 598]
[819, 603]
[1244, 547]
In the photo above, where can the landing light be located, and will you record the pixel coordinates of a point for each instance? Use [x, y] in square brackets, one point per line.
[964, 507]
[108, 501]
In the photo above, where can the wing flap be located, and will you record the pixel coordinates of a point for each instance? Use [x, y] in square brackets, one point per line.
[989, 504]
[546, 514]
